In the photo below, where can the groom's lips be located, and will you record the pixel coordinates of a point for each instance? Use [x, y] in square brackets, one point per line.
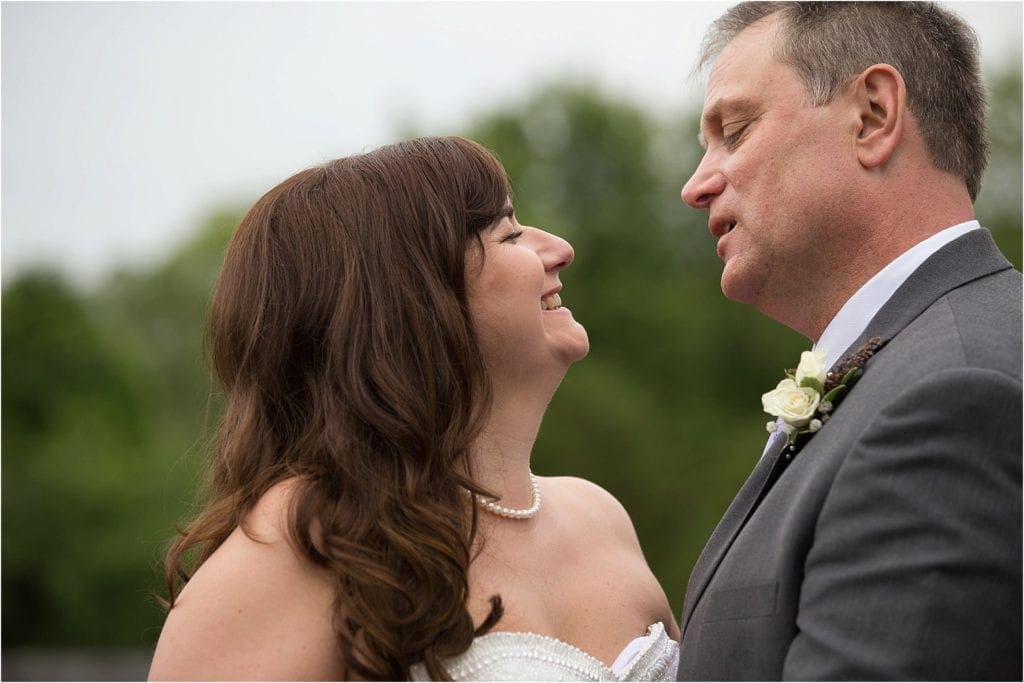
[721, 226]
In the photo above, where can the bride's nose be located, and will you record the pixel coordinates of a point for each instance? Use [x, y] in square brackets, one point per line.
[555, 252]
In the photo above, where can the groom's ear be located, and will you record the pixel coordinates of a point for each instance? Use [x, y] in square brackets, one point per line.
[880, 97]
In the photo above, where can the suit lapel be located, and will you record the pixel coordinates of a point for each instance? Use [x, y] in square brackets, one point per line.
[967, 258]
[743, 505]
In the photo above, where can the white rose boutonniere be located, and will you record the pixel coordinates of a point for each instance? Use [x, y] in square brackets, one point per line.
[804, 400]
[812, 366]
[796, 405]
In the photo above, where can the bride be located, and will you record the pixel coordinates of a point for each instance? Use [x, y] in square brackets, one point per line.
[388, 337]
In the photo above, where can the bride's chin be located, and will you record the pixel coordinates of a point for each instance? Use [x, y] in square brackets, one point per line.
[577, 351]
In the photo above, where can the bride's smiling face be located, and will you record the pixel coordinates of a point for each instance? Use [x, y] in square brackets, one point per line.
[514, 295]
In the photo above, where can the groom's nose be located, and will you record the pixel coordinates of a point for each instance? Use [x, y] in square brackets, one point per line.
[705, 184]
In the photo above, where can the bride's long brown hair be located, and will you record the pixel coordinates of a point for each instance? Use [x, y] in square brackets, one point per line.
[340, 333]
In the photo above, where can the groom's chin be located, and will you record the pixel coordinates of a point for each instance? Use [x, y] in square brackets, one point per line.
[736, 285]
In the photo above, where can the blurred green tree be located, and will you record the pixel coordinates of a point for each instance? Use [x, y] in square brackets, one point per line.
[74, 420]
[104, 401]
[999, 202]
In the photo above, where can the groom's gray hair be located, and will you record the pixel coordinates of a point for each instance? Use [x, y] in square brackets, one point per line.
[935, 51]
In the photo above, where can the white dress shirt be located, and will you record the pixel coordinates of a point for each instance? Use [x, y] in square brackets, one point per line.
[853, 318]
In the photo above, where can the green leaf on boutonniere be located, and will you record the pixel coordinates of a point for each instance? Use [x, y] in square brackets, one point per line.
[835, 394]
[849, 377]
[811, 383]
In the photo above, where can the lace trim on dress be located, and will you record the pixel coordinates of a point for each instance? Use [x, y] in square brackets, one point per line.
[512, 656]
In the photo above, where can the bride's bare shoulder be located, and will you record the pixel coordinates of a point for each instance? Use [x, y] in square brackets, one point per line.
[577, 490]
[591, 504]
[268, 521]
[254, 610]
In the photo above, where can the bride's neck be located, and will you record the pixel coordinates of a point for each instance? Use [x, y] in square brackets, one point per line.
[501, 454]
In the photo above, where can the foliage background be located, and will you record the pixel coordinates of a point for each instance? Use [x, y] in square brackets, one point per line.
[106, 399]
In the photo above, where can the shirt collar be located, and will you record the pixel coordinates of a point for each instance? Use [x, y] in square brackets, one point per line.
[853, 318]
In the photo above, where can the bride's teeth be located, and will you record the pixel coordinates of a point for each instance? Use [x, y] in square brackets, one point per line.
[550, 303]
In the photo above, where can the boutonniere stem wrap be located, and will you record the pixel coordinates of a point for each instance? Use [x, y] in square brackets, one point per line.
[805, 399]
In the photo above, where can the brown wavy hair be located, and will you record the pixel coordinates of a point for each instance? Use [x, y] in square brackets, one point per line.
[340, 332]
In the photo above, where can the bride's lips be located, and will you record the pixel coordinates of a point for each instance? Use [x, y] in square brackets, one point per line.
[551, 301]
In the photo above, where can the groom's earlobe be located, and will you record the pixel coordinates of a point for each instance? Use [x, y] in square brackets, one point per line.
[881, 99]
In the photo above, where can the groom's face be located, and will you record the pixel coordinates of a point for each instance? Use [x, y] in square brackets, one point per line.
[772, 176]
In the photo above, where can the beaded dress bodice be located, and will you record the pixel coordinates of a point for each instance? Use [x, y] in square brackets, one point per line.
[515, 656]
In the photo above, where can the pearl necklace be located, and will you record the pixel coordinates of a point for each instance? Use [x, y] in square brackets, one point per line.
[511, 513]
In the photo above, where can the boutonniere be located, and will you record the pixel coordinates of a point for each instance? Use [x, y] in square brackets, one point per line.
[804, 400]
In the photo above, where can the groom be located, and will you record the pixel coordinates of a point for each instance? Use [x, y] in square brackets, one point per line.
[879, 535]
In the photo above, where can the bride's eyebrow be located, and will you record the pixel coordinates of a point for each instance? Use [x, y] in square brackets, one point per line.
[508, 212]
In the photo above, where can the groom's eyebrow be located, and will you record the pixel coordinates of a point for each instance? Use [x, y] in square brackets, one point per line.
[710, 119]
[719, 109]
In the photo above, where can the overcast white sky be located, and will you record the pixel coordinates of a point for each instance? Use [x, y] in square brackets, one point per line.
[124, 123]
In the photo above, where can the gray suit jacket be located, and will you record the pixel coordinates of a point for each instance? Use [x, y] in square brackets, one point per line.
[889, 546]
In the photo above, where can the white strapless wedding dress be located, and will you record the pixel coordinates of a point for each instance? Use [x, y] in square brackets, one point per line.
[515, 656]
